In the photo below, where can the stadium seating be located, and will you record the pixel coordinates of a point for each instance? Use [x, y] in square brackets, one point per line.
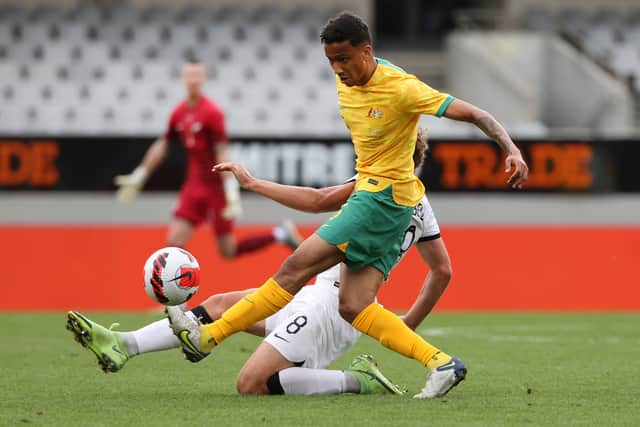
[69, 72]
[611, 38]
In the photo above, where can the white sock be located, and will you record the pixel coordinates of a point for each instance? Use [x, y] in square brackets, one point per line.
[156, 336]
[306, 381]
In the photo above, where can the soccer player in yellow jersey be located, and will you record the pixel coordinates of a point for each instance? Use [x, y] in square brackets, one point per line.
[381, 105]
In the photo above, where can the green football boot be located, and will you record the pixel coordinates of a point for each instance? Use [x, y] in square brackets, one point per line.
[372, 381]
[106, 344]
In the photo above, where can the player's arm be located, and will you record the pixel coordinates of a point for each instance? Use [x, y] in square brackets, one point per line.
[464, 111]
[434, 254]
[306, 199]
[155, 155]
[131, 184]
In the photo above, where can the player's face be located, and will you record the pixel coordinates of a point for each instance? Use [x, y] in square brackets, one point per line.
[350, 63]
[193, 77]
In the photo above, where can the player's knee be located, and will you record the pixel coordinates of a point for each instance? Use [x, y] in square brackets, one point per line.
[227, 246]
[349, 310]
[175, 241]
[250, 384]
[227, 253]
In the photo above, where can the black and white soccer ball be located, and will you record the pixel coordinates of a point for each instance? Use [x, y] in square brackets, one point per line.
[171, 276]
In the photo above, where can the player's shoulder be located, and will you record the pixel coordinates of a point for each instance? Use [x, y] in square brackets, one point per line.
[179, 108]
[392, 75]
[210, 104]
[389, 67]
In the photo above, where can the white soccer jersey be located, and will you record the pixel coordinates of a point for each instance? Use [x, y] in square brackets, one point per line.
[309, 331]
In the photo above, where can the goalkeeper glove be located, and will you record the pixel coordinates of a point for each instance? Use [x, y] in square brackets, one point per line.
[130, 185]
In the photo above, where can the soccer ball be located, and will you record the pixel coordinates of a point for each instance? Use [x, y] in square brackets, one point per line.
[171, 276]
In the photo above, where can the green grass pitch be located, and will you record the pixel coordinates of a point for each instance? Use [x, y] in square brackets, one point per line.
[530, 369]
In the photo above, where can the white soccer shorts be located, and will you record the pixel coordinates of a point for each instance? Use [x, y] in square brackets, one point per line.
[309, 331]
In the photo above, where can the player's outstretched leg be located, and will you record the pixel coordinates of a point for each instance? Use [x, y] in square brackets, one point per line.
[188, 332]
[443, 378]
[365, 369]
[393, 333]
[108, 347]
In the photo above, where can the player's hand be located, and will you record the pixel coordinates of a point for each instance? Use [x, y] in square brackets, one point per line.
[242, 175]
[520, 175]
[130, 185]
[233, 209]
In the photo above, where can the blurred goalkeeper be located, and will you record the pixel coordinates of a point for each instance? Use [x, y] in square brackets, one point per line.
[213, 197]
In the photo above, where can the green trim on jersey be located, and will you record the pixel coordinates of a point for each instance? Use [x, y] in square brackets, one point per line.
[385, 62]
[444, 106]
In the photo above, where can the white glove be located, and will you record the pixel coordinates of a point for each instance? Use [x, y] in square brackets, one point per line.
[232, 194]
[130, 185]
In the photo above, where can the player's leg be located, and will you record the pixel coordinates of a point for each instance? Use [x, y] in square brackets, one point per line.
[228, 246]
[231, 247]
[308, 335]
[392, 332]
[313, 256]
[297, 342]
[188, 214]
[158, 336]
[217, 304]
[114, 348]
[179, 232]
[254, 375]
[268, 372]
[357, 291]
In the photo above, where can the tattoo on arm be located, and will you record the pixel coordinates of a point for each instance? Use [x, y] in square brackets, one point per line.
[495, 131]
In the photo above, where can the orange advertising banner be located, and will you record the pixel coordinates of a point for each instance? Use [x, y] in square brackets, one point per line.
[494, 268]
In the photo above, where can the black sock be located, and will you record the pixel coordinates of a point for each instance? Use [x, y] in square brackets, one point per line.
[273, 384]
[202, 315]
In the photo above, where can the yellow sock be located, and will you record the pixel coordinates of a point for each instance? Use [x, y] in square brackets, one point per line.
[262, 303]
[393, 333]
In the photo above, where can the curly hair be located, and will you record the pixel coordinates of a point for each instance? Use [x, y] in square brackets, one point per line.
[346, 26]
[422, 148]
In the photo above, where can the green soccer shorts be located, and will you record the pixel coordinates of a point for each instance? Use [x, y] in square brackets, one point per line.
[368, 229]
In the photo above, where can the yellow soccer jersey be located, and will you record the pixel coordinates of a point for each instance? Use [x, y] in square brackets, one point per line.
[382, 117]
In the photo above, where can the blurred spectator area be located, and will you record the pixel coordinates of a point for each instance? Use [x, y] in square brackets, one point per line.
[546, 68]
[98, 67]
[605, 31]
[112, 67]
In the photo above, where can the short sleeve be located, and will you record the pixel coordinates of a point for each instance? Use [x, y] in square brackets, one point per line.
[217, 126]
[171, 132]
[423, 99]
